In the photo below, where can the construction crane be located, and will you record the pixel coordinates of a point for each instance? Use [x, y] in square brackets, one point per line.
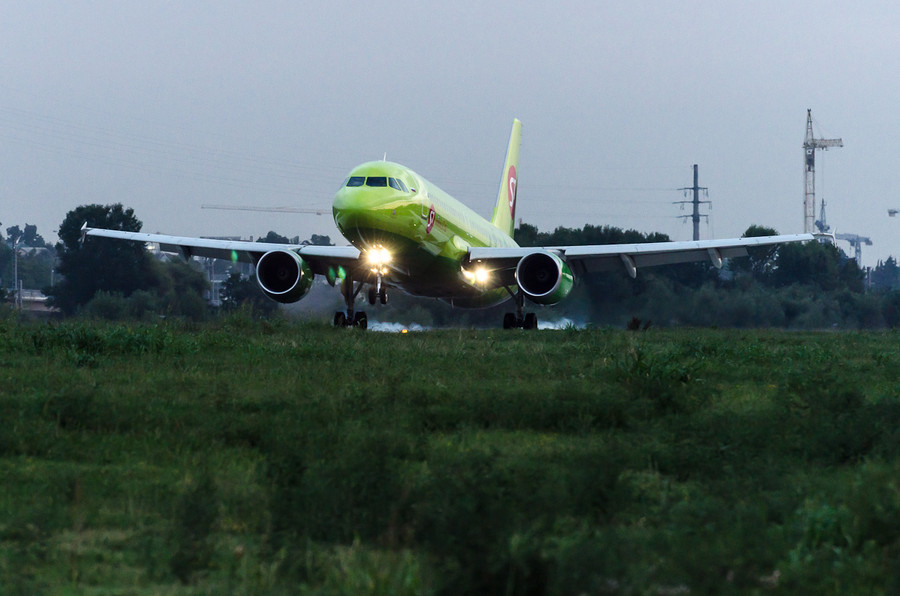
[821, 223]
[809, 187]
[855, 240]
[269, 209]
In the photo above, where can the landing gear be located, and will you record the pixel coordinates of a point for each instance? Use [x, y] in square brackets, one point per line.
[350, 318]
[349, 290]
[377, 295]
[519, 319]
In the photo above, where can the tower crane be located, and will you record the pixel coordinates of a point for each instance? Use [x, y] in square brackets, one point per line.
[809, 187]
[855, 240]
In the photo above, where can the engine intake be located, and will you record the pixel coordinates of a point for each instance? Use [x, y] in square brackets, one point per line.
[544, 277]
[283, 276]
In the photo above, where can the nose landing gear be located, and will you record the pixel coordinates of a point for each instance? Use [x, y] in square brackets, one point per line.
[377, 294]
[350, 318]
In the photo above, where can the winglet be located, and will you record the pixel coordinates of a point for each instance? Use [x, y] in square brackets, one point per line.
[505, 210]
[825, 237]
[84, 230]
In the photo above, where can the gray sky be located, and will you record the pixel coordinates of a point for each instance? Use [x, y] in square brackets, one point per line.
[165, 106]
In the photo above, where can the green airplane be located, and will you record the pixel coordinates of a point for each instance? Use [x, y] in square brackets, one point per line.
[405, 233]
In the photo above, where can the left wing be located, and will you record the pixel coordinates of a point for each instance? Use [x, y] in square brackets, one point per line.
[502, 262]
[320, 258]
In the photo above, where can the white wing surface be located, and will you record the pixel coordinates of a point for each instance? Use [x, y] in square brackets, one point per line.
[320, 258]
[631, 257]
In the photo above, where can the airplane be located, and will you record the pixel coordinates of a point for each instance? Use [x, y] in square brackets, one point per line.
[407, 234]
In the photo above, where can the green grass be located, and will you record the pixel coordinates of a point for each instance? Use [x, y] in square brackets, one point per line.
[271, 457]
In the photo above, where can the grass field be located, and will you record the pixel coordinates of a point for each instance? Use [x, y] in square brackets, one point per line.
[272, 457]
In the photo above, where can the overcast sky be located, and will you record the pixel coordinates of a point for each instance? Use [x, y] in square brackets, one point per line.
[165, 106]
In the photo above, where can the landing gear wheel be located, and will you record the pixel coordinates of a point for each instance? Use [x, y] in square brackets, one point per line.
[372, 296]
[530, 321]
[509, 321]
[382, 296]
[340, 319]
[361, 320]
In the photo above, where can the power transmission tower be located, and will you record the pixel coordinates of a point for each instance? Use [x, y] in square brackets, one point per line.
[695, 214]
[809, 187]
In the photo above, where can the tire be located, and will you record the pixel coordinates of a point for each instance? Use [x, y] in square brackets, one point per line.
[372, 295]
[340, 319]
[530, 321]
[509, 321]
[361, 320]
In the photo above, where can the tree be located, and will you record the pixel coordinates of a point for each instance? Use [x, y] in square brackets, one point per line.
[818, 264]
[274, 238]
[760, 260]
[886, 275]
[238, 292]
[98, 263]
[318, 240]
[180, 287]
[526, 235]
[28, 237]
[35, 258]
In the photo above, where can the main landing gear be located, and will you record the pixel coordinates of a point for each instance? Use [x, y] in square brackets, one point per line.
[518, 319]
[352, 317]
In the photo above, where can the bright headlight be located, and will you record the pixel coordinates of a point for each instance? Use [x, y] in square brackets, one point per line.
[478, 276]
[378, 257]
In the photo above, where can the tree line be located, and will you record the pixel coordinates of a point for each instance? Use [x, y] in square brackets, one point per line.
[810, 285]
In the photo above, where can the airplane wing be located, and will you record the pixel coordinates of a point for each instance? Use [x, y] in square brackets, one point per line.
[605, 257]
[320, 258]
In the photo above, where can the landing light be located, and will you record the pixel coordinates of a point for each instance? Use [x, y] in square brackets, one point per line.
[479, 276]
[378, 258]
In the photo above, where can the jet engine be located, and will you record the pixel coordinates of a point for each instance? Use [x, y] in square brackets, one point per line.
[544, 277]
[283, 276]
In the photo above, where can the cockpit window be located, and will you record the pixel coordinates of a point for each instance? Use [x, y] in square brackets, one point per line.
[393, 183]
[402, 185]
[356, 181]
[376, 181]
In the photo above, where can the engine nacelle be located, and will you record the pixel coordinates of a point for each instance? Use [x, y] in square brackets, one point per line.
[283, 276]
[544, 277]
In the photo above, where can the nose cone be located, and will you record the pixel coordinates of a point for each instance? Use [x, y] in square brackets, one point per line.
[372, 202]
[352, 209]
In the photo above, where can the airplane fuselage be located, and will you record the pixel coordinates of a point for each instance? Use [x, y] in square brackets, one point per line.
[427, 232]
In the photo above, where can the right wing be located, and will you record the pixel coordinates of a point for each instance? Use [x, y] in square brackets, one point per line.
[319, 258]
[502, 262]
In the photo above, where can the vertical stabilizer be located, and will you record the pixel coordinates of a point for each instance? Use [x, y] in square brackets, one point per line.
[505, 211]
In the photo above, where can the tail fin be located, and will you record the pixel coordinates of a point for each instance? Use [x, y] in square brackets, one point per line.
[505, 211]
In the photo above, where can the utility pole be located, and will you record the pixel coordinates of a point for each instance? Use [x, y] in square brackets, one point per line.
[16, 285]
[809, 184]
[695, 214]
